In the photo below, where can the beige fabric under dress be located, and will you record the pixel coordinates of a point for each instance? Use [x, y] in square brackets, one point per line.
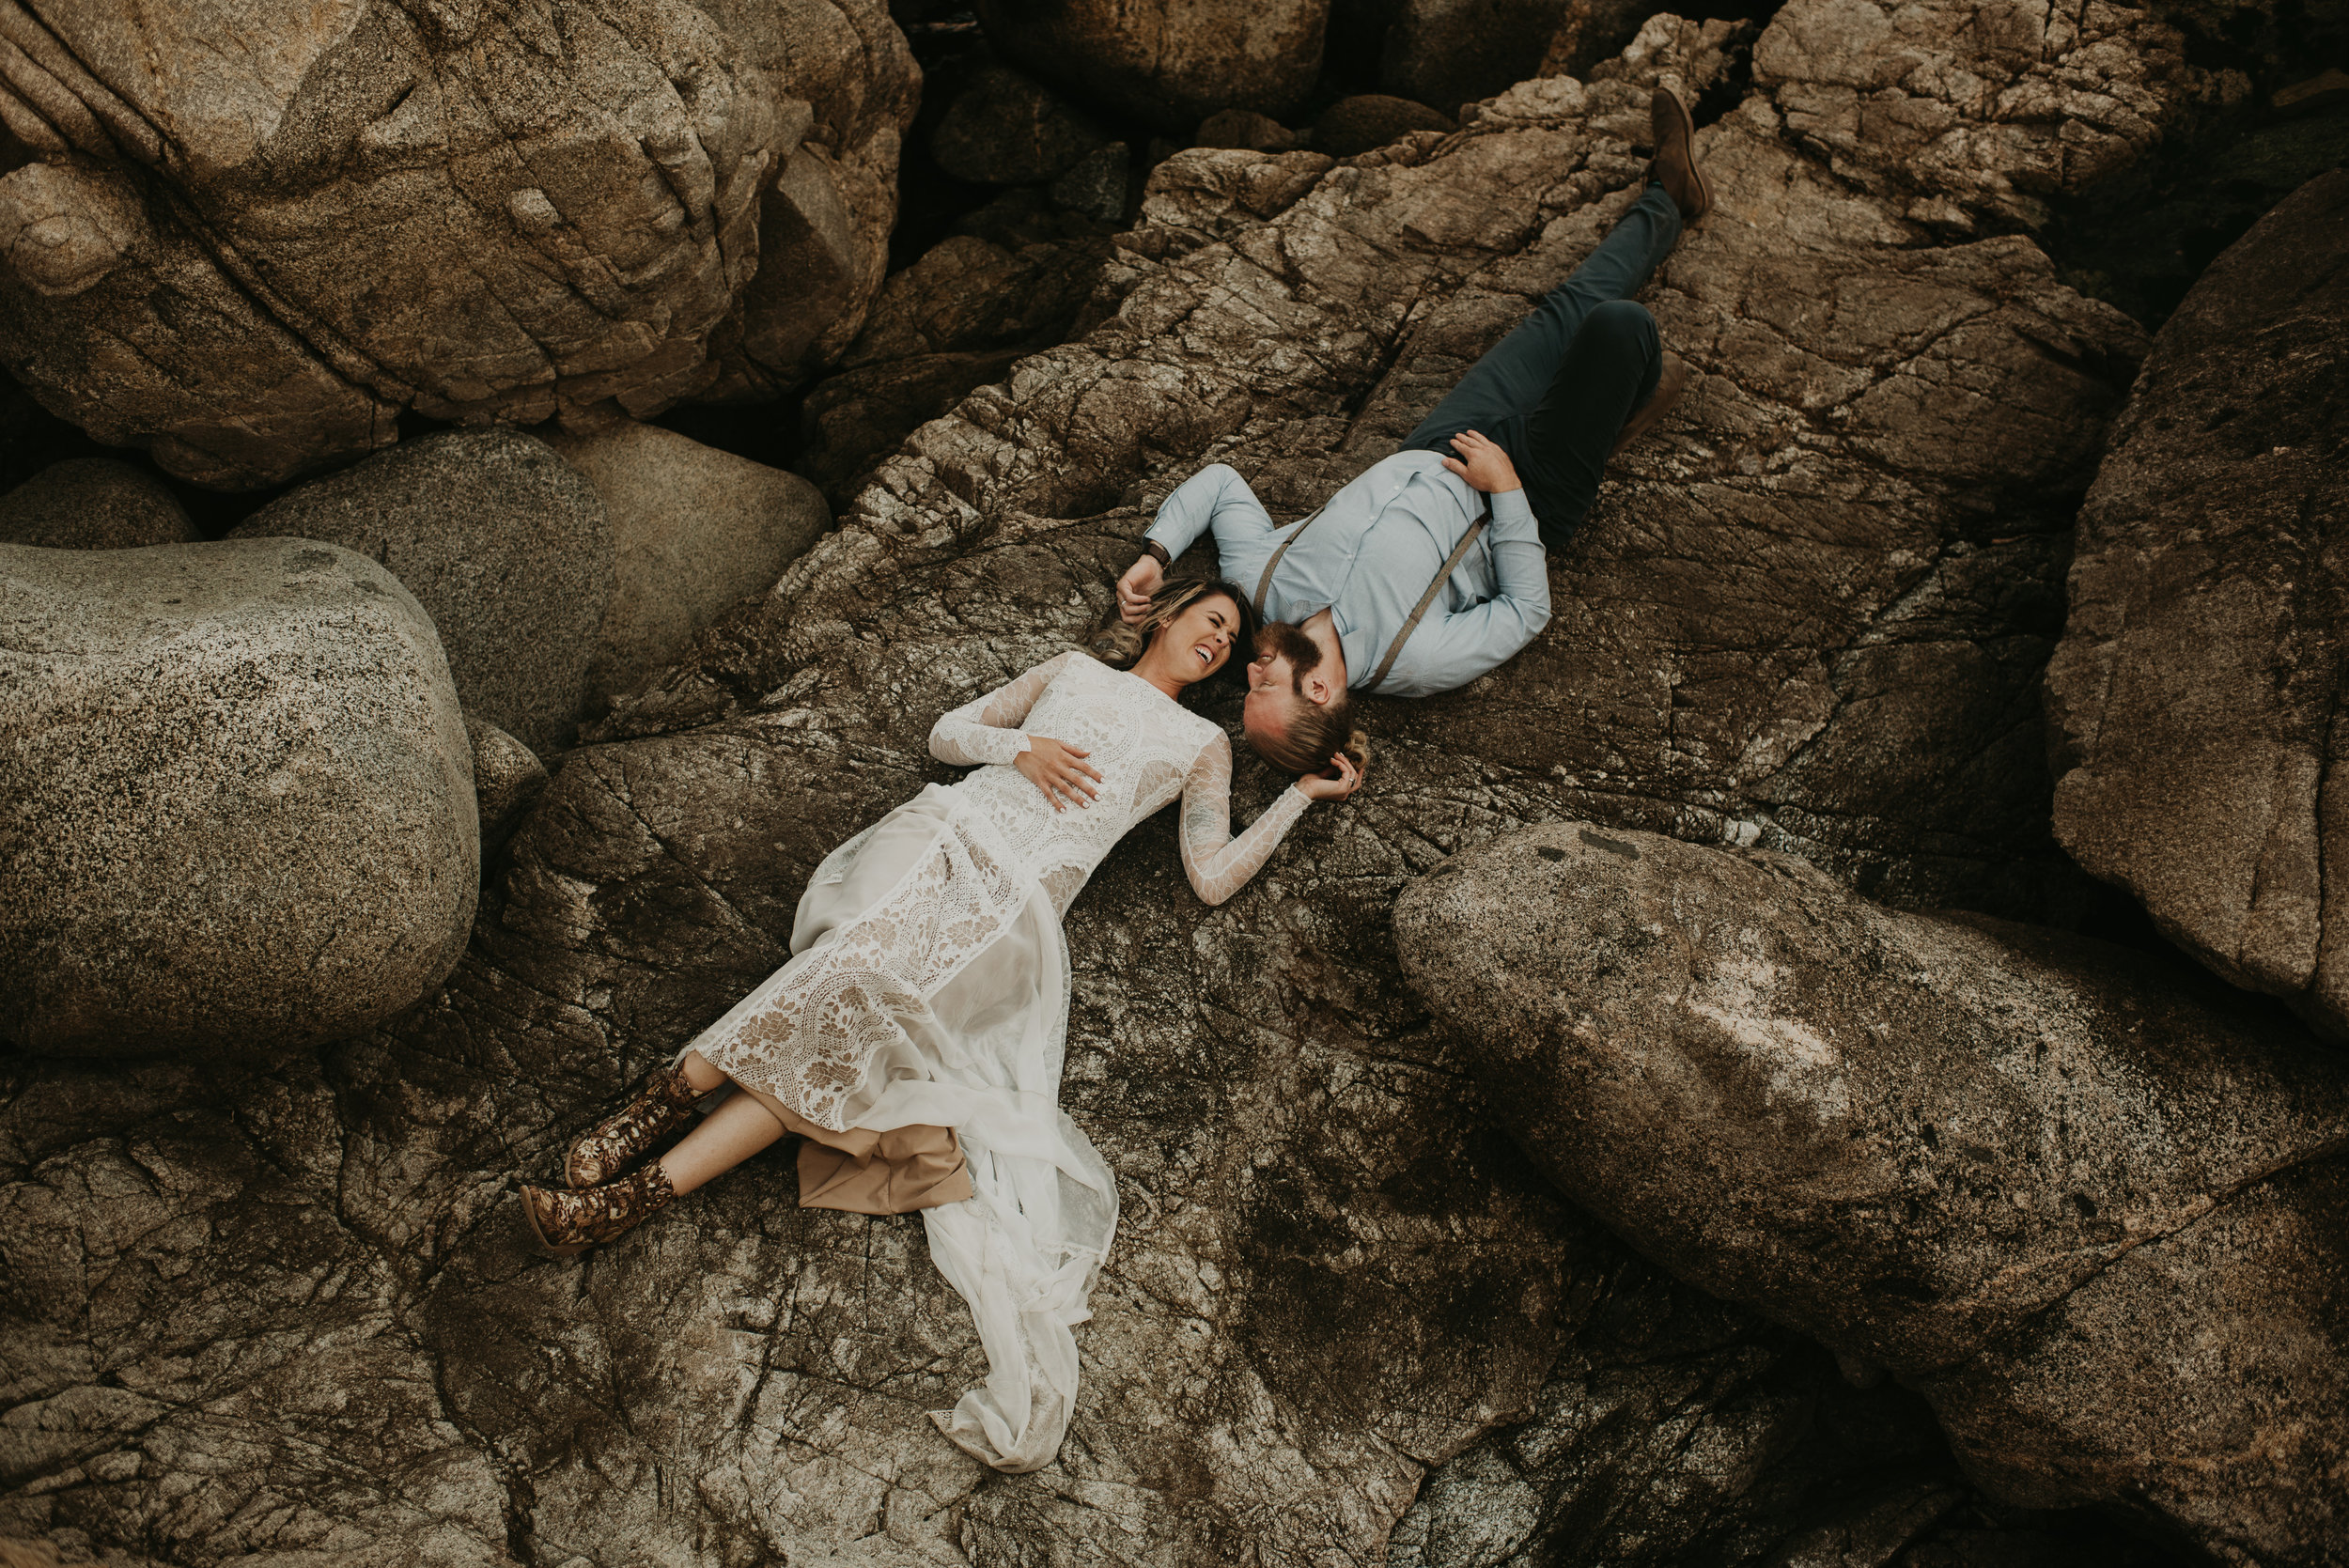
[927, 993]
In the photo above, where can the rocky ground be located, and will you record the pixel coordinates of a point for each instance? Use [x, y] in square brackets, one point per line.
[283, 1310]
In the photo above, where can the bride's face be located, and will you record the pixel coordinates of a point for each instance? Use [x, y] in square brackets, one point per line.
[1198, 641]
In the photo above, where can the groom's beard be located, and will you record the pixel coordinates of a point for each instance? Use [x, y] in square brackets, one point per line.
[1282, 640]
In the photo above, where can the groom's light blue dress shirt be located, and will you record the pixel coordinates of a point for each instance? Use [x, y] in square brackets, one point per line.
[1368, 557]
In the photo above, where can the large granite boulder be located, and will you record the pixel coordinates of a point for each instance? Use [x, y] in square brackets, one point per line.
[1004, 128]
[2094, 1208]
[2191, 703]
[1813, 610]
[236, 805]
[249, 236]
[693, 530]
[1447, 52]
[1353, 126]
[507, 547]
[507, 779]
[94, 504]
[1170, 63]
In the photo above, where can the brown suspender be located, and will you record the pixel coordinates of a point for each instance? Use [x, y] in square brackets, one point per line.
[1459, 552]
[1263, 583]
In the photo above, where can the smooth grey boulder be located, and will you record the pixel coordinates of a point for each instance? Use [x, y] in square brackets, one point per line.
[507, 547]
[235, 798]
[94, 504]
[2094, 1207]
[2191, 703]
[1170, 63]
[507, 777]
[693, 530]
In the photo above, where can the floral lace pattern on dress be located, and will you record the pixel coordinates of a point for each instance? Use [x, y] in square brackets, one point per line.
[1149, 749]
[808, 1035]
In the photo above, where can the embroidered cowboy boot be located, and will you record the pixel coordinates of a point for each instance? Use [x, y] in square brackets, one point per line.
[567, 1223]
[663, 1103]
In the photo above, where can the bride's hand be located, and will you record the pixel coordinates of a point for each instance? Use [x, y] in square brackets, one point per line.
[1343, 781]
[1059, 770]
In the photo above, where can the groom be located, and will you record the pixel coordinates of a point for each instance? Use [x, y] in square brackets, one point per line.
[1400, 583]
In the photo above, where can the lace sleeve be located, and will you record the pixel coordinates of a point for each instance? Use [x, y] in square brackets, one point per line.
[983, 729]
[1217, 864]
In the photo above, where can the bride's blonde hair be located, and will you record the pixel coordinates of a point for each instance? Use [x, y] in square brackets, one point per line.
[1118, 643]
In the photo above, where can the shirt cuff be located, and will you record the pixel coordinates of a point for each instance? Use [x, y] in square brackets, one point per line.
[1512, 516]
[1025, 744]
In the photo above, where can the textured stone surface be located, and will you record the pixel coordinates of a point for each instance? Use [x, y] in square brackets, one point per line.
[1005, 129]
[252, 234]
[1969, 117]
[506, 546]
[1813, 609]
[2094, 1207]
[2192, 702]
[969, 309]
[94, 504]
[1355, 125]
[236, 811]
[694, 530]
[1589, 31]
[1170, 63]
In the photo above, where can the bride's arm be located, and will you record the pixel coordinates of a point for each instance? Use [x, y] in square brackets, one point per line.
[1217, 864]
[985, 728]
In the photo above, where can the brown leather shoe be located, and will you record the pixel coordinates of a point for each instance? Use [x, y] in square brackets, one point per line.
[663, 1103]
[567, 1223]
[1670, 381]
[1675, 165]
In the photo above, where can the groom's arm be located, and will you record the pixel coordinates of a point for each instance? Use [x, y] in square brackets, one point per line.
[1447, 652]
[1215, 497]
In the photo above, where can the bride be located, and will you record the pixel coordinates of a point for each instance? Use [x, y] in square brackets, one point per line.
[915, 1039]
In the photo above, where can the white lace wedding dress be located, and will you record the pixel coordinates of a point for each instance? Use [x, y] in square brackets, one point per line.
[929, 987]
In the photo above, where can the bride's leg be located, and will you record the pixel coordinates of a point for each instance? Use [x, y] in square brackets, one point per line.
[728, 1137]
[699, 1073]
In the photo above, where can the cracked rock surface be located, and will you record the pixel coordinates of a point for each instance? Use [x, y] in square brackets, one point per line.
[2192, 705]
[236, 801]
[2095, 1209]
[1813, 612]
[245, 237]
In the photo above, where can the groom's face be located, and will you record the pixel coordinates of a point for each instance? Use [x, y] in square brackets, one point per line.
[1284, 654]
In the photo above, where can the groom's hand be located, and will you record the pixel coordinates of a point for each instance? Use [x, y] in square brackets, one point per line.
[1142, 579]
[1482, 463]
